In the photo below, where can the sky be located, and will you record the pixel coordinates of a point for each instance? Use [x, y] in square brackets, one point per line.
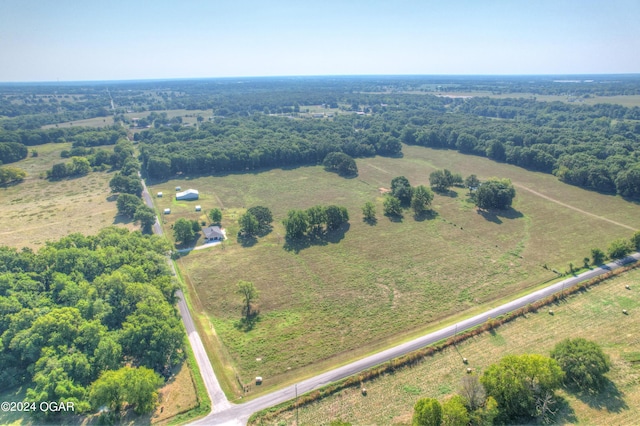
[71, 40]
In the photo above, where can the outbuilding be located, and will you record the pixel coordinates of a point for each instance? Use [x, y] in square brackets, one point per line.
[198, 208]
[178, 189]
[167, 211]
[189, 194]
[159, 194]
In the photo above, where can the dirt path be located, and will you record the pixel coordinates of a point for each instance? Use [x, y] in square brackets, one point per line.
[575, 208]
[378, 168]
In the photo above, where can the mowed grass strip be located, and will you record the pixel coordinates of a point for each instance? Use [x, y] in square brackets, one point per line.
[371, 286]
[595, 314]
[38, 210]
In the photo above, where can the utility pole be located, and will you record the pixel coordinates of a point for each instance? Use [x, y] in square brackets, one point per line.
[297, 423]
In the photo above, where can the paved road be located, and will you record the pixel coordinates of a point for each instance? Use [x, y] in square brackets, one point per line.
[157, 229]
[218, 399]
[238, 414]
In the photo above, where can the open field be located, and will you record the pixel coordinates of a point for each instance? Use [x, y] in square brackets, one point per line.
[88, 122]
[624, 100]
[38, 210]
[328, 303]
[594, 314]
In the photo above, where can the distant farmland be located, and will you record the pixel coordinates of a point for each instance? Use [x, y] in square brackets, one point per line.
[371, 286]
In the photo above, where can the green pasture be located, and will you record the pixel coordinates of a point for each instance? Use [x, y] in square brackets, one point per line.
[595, 314]
[367, 287]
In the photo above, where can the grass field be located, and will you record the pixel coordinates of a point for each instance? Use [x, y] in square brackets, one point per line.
[371, 286]
[624, 100]
[594, 314]
[38, 210]
[88, 122]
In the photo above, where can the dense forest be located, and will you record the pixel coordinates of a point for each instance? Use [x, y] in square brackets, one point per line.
[82, 306]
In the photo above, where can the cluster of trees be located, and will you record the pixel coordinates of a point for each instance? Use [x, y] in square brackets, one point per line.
[314, 220]
[340, 163]
[10, 152]
[256, 221]
[185, 230]
[127, 184]
[403, 195]
[442, 180]
[495, 194]
[519, 388]
[131, 206]
[617, 249]
[87, 160]
[78, 166]
[85, 305]
[11, 174]
[127, 180]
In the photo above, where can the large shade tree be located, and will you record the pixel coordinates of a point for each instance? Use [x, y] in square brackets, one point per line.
[583, 362]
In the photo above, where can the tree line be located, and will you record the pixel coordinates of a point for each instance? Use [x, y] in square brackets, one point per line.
[261, 141]
[315, 220]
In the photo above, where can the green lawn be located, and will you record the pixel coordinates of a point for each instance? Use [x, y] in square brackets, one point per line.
[370, 286]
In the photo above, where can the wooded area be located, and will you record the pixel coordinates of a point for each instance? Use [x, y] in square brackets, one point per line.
[82, 306]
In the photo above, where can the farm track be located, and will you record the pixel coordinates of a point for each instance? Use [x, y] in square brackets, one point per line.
[560, 203]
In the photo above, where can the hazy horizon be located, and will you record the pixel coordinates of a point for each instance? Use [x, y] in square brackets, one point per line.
[195, 39]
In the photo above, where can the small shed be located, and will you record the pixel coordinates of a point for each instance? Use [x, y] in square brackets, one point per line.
[258, 380]
[159, 194]
[167, 211]
[198, 208]
[178, 189]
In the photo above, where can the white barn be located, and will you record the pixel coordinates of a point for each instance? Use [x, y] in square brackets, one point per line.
[189, 194]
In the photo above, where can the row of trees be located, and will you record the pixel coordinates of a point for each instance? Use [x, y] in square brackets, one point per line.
[314, 220]
[85, 305]
[519, 388]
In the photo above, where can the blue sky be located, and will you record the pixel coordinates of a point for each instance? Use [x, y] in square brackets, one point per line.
[66, 40]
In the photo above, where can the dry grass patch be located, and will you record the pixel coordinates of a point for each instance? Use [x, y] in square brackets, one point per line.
[38, 210]
[177, 396]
